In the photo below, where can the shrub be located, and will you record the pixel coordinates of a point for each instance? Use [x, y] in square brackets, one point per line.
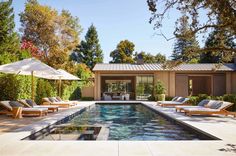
[230, 98]
[194, 100]
[71, 90]
[202, 97]
[45, 88]
[151, 98]
[217, 98]
[169, 98]
[159, 88]
[10, 87]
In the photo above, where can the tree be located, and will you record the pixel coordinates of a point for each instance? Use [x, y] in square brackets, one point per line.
[224, 10]
[89, 51]
[9, 40]
[149, 58]
[123, 52]
[219, 39]
[184, 46]
[56, 35]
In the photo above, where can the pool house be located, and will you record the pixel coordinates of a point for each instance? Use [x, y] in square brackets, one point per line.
[136, 81]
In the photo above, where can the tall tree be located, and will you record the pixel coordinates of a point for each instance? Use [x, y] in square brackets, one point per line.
[149, 58]
[89, 51]
[224, 10]
[9, 40]
[56, 34]
[217, 38]
[184, 46]
[123, 52]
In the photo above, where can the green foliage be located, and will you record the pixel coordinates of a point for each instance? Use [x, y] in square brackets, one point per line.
[71, 91]
[84, 73]
[56, 34]
[194, 10]
[123, 52]
[194, 100]
[9, 40]
[159, 88]
[89, 51]
[45, 88]
[87, 99]
[151, 98]
[202, 97]
[140, 89]
[169, 98]
[218, 38]
[231, 98]
[15, 87]
[10, 87]
[149, 58]
[184, 46]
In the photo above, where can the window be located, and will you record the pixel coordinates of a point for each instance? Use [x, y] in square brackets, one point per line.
[144, 87]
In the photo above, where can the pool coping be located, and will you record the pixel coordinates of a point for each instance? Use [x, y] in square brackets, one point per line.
[14, 138]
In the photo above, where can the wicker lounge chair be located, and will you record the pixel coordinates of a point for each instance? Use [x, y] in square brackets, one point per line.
[179, 102]
[212, 108]
[31, 104]
[8, 108]
[200, 105]
[52, 101]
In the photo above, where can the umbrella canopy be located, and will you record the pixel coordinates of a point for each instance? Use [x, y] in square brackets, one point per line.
[31, 67]
[64, 76]
[27, 66]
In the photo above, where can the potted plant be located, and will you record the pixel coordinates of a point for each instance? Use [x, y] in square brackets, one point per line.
[160, 91]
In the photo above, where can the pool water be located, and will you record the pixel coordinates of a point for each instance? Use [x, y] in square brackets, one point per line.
[132, 122]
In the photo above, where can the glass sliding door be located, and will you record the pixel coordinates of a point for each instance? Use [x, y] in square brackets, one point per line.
[144, 87]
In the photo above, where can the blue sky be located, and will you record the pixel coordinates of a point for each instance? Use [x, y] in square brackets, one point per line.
[115, 20]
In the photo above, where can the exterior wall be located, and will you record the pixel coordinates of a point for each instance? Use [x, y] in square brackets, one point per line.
[181, 85]
[97, 86]
[168, 79]
[87, 91]
[229, 81]
[176, 84]
[233, 81]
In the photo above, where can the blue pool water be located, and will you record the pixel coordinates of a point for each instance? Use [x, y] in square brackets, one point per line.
[133, 122]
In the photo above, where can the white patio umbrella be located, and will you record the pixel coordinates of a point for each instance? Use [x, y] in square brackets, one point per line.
[31, 67]
[64, 76]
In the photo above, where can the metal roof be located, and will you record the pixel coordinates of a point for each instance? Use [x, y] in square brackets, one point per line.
[159, 67]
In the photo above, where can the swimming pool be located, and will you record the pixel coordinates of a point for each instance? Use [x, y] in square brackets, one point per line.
[133, 122]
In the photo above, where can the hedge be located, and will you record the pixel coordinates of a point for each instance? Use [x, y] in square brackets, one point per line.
[14, 87]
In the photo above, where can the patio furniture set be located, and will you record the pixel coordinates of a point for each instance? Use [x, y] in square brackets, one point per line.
[27, 107]
[204, 107]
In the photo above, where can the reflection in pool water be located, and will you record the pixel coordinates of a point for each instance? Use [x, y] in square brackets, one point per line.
[133, 122]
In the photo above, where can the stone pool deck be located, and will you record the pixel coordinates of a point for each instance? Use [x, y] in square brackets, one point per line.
[223, 128]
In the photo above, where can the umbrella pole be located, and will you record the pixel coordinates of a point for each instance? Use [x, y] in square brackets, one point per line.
[60, 87]
[32, 85]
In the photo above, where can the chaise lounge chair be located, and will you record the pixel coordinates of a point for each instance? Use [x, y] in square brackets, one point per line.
[59, 99]
[31, 104]
[174, 99]
[212, 108]
[180, 101]
[8, 109]
[60, 104]
[200, 105]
